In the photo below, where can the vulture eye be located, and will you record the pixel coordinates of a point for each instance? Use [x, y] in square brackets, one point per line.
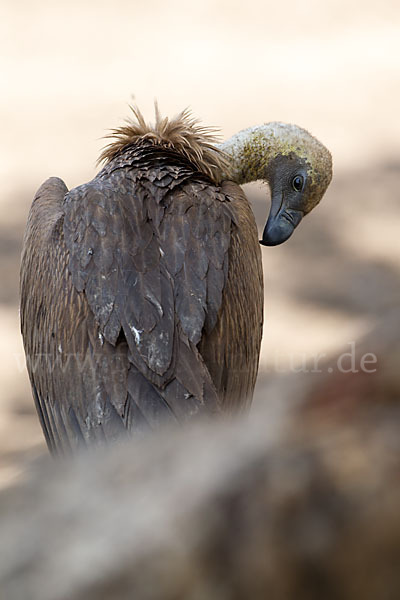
[297, 183]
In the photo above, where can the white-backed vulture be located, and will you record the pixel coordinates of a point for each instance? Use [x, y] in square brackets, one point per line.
[142, 290]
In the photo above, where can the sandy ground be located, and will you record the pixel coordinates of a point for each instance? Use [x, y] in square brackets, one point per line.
[67, 74]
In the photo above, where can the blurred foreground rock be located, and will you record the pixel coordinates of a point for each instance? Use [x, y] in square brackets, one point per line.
[301, 501]
[246, 510]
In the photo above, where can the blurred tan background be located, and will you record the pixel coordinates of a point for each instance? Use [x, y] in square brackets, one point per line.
[68, 71]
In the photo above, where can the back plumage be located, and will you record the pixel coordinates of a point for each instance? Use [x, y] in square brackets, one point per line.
[129, 310]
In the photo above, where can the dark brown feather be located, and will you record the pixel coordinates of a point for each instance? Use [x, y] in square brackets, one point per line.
[231, 348]
[135, 292]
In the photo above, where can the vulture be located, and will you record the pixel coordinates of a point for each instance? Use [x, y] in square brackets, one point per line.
[142, 290]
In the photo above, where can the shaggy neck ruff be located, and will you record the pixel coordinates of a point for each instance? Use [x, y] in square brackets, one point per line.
[183, 133]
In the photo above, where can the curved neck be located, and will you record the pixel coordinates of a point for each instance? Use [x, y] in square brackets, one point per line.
[250, 150]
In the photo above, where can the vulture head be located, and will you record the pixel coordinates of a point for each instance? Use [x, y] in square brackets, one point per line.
[297, 167]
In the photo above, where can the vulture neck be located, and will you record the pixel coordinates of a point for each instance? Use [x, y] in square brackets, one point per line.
[250, 150]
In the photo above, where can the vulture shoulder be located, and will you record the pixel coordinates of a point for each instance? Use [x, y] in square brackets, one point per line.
[231, 350]
[122, 281]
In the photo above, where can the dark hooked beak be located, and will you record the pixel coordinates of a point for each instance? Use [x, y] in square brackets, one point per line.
[282, 221]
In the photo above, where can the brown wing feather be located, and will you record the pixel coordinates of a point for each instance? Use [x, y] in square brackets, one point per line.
[112, 312]
[231, 350]
[144, 260]
[67, 369]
